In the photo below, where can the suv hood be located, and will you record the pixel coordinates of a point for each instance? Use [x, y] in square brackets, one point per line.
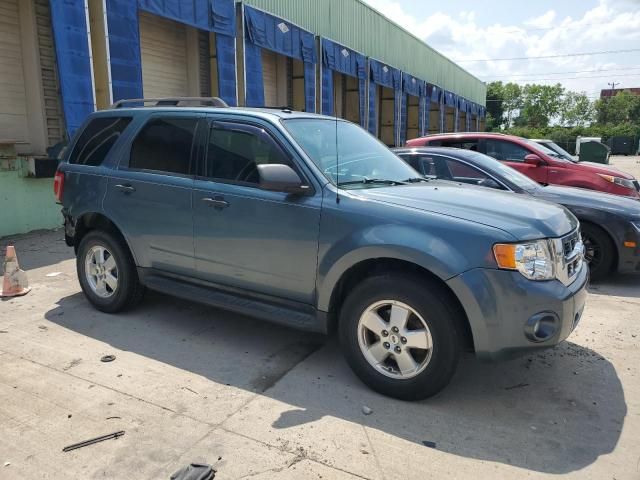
[581, 197]
[604, 169]
[523, 217]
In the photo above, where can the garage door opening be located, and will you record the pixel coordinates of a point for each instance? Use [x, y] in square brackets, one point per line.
[177, 60]
[283, 80]
[434, 117]
[449, 119]
[346, 97]
[462, 122]
[413, 117]
[386, 115]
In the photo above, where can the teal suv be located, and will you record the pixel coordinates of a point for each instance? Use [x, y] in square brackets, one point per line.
[310, 222]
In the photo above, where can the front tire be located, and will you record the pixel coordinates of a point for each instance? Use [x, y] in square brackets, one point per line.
[398, 335]
[599, 251]
[107, 272]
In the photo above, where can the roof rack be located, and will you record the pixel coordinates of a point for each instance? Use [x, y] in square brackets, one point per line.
[172, 102]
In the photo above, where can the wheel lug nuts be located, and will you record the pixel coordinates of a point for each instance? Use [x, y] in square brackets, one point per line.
[386, 345]
[403, 340]
[398, 350]
[385, 333]
[394, 329]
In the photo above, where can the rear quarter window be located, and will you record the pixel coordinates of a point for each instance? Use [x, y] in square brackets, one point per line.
[97, 139]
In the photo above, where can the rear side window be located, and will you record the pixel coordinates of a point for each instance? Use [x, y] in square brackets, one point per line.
[164, 145]
[96, 140]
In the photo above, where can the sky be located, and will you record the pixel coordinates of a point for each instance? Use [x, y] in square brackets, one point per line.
[492, 29]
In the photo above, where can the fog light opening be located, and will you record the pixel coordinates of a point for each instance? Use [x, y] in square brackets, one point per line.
[542, 326]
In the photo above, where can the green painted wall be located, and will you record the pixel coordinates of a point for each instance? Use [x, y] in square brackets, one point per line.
[360, 27]
[26, 204]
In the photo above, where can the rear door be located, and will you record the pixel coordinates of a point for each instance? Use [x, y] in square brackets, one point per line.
[246, 237]
[513, 155]
[149, 195]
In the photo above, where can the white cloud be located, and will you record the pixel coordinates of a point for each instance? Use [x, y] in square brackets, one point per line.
[611, 25]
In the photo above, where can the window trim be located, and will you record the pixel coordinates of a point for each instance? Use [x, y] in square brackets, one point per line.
[192, 155]
[249, 127]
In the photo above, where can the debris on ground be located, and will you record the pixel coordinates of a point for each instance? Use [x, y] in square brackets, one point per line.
[520, 385]
[6, 464]
[366, 410]
[53, 274]
[91, 441]
[195, 471]
[108, 358]
[429, 444]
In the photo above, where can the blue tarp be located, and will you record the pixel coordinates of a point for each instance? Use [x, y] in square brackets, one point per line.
[385, 76]
[124, 40]
[336, 57]
[68, 19]
[264, 30]
[417, 88]
[449, 99]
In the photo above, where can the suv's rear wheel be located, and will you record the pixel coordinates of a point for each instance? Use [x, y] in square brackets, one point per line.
[107, 273]
[398, 335]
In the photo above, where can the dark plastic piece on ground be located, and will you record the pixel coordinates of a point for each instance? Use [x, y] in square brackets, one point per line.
[195, 471]
[93, 440]
[108, 358]
[429, 444]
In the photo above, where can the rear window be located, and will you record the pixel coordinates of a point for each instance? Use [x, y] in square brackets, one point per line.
[97, 139]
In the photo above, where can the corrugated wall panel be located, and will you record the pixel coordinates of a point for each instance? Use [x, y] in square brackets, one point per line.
[358, 26]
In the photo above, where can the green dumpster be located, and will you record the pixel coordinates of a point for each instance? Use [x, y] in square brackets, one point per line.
[594, 152]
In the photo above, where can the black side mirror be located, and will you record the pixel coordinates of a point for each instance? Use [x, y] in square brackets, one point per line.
[281, 178]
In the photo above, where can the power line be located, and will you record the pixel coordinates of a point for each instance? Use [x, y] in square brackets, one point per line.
[550, 27]
[562, 73]
[581, 54]
[574, 78]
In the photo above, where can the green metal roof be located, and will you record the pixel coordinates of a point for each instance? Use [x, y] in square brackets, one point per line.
[362, 28]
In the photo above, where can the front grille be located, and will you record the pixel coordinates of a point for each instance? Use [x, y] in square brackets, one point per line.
[569, 252]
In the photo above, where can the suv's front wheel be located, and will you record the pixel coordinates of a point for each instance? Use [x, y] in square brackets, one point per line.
[107, 273]
[398, 334]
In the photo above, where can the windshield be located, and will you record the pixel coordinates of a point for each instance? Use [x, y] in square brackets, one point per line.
[363, 161]
[491, 165]
[560, 151]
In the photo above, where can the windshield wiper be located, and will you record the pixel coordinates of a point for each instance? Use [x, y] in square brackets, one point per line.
[372, 181]
[419, 179]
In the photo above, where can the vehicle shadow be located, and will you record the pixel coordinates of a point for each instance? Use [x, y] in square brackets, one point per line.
[618, 285]
[555, 411]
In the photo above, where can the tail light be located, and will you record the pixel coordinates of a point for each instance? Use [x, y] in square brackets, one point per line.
[58, 185]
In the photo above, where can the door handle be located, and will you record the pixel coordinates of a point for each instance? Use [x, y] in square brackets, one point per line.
[125, 188]
[218, 202]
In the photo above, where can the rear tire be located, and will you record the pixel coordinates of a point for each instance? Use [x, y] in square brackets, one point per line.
[392, 360]
[599, 251]
[107, 272]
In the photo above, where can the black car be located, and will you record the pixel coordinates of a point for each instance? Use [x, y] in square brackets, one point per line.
[610, 223]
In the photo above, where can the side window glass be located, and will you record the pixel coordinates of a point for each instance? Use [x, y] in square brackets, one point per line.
[96, 140]
[506, 151]
[426, 165]
[466, 145]
[164, 145]
[233, 154]
[464, 173]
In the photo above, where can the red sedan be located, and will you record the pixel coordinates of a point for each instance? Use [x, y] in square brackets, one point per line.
[538, 162]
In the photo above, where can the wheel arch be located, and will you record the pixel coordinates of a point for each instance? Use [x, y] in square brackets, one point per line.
[398, 266]
[91, 221]
[608, 233]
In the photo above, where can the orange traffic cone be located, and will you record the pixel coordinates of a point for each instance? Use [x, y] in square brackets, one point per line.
[15, 281]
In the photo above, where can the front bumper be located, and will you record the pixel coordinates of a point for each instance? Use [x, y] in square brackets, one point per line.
[500, 305]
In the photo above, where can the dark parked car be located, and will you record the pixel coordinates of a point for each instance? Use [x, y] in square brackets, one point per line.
[610, 224]
[249, 210]
[538, 162]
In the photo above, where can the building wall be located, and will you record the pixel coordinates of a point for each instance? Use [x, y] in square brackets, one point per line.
[360, 27]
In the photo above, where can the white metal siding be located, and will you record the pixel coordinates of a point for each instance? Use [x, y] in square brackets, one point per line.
[13, 106]
[163, 45]
[270, 77]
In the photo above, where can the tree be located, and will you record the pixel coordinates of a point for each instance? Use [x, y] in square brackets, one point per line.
[576, 110]
[512, 102]
[619, 109]
[540, 104]
[495, 110]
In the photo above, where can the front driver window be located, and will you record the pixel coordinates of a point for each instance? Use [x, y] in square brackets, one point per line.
[506, 151]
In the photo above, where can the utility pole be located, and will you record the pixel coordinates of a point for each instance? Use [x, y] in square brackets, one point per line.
[613, 87]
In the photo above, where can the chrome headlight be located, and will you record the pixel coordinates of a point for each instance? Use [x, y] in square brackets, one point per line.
[623, 182]
[534, 260]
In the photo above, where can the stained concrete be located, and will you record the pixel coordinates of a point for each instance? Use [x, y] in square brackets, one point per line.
[192, 383]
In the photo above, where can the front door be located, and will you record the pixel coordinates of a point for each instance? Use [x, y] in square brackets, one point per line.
[149, 196]
[256, 240]
[513, 155]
